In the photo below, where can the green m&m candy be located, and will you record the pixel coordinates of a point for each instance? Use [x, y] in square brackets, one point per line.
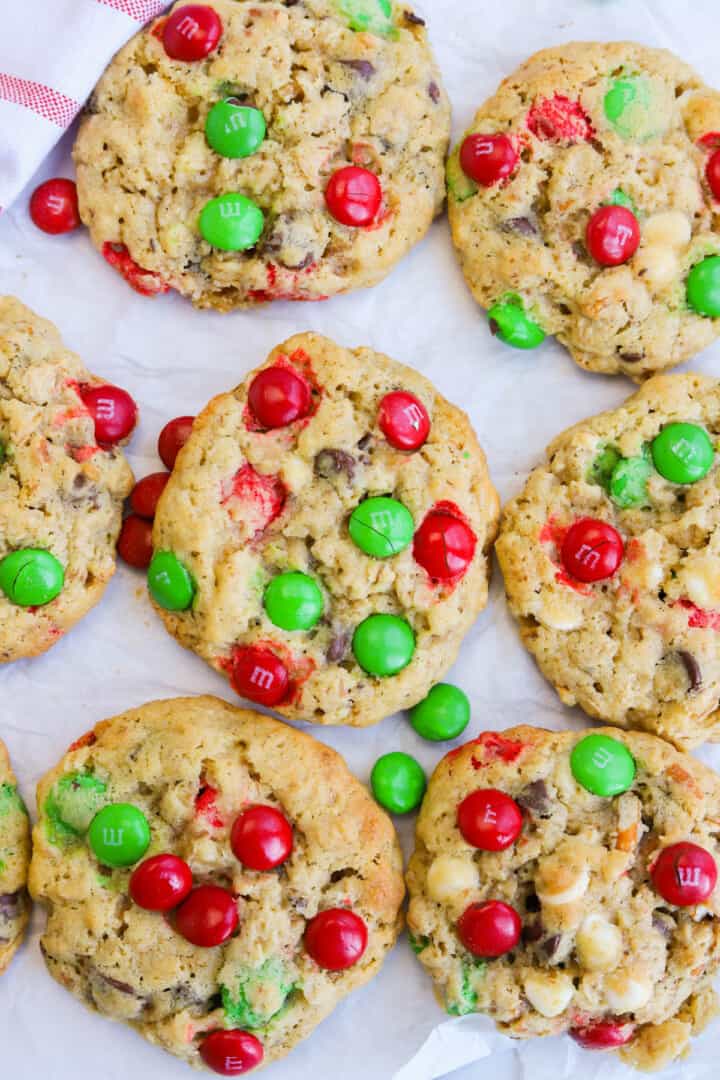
[628, 482]
[293, 601]
[443, 714]
[682, 453]
[383, 644]
[627, 106]
[373, 16]
[119, 835]
[620, 198]
[381, 527]
[231, 222]
[72, 803]
[398, 782]
[31, 577]
[509, 321]
[170, 583]
[602, 765]
[234, 130]
[703, 287]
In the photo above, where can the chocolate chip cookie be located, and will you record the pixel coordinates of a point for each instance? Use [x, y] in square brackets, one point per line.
[14, 861]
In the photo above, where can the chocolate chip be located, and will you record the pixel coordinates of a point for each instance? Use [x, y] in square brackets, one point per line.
[329, 463]
[532, 931]
[413, 19]
[663, 924]
[364, 68]
[80, 481]
[123, 987]
[532, 902]
[494, 326]
[522, 225]
[10, 904]
[364, 442]
[692, 668]
[551, 945]
[434, 92]
[579, 250]
[535, 799]
[632, 357]
[338, 646]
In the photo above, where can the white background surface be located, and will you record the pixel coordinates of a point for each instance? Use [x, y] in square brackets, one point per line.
[172, 359]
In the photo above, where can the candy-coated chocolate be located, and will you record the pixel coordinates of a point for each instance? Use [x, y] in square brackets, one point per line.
[172, 438]
[54, 206]
[398, 782]
[231, 222]
[712, 174]
[602, 1034]
[602, 765]
[119, 835]
[703, 287]
[381, 526]
[509, 322]
[444, 546]
[612, 235]
[372, 16]
[403, 420]
[72, 803]
[278, 396]
[684, 874]
[31, 577]
[208, 916]
[134, 545]
[627, 106]
[261, 838]
[383, 644]
[628, 482]
[621, 198]
[231, 1053]
[161, 882]
[234, 130]
[354, 196]
[489, 819]
[113, 410]
[259, 675]
[443, 714]
[146, 493]
[490, 929]
[170, 583]
[336, 939]
[592, 550]
[682, 453]
[293, 601]
[192, 32]
[488, 159]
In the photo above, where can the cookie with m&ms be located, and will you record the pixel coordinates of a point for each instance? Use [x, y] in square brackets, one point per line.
[14, 862]
[323, 538]
[212, 877]
[610, 558]
[63, 479]
[567, 883]
[583, 202]
[247, 152]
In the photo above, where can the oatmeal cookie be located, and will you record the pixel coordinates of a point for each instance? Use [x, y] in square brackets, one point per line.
[14, 861]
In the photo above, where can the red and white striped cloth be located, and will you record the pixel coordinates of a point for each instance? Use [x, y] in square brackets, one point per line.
[52, 53]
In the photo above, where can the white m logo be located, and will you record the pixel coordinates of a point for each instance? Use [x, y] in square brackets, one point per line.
[601, 758]
[231, 209]
[689, 875]
[261, 677]
[381, 519]
[188, 27]
[105, 408]
[113, 837]
[413, 414]
[588, 556]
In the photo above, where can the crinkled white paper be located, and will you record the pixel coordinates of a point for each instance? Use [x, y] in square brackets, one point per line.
[173, 359]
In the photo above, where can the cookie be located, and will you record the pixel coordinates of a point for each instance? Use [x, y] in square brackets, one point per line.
[214, 878]
[565, 882]
[610, 561]
[323, 538]
[583, 203]
[61, 493]
[14, 861]
[256, 151]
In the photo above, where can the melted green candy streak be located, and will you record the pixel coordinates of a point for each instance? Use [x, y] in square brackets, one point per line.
[259, 994]
[372, 16]
[72, 803]
[467, 1001]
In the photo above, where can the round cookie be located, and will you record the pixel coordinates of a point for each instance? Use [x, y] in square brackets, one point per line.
[611, 567]
[554, 909]
[585, 151]
[61, 494]
[331, 564]
[14, 861]
[339, 111]
[194, 769]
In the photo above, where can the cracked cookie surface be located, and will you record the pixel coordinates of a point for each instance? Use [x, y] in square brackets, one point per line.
[14, 861]
[331, 97]
[191, 765]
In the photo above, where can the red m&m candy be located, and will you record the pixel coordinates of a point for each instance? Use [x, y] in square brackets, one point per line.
[259, 675]
[403, 420]
[172, 438]
[489, 819]
[712, 173]
[113, 410]
[161, 882]
[612, 235]
[684, 874]
[444, 545]
[277, 396]
[261, 838]
[489, 929]
[336, 939]
[592, 550]
[231, 1053]
[487, 159]
[146, 493]
[191, 32]
[353, 196]
[208, 916]
[54, 206]
[134, 544]
[602, 1034]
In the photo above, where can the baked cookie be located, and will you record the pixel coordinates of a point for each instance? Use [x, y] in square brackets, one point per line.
[215, 878]
[61, 493]
[584, 203]
[610, 558]
[14, 861]
[323, 538]
[242, 152]
[567, 882]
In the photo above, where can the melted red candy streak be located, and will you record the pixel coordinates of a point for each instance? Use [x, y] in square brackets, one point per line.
[299, 668]
[709, 141]
[289, 287]
[552, 533]
[88, 739]
[206, 805]
[495, 748]
[254, 497]
[559, 119]
[700, 618]
[83, 453]
[142, 281]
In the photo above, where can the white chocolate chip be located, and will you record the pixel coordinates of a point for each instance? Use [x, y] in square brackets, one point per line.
[656, 265]
[627, 993]
[700, 580]
[670, 228]
[561, 611]
[565, 888]
[549, 992]
[449, 875]
[598, 943]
